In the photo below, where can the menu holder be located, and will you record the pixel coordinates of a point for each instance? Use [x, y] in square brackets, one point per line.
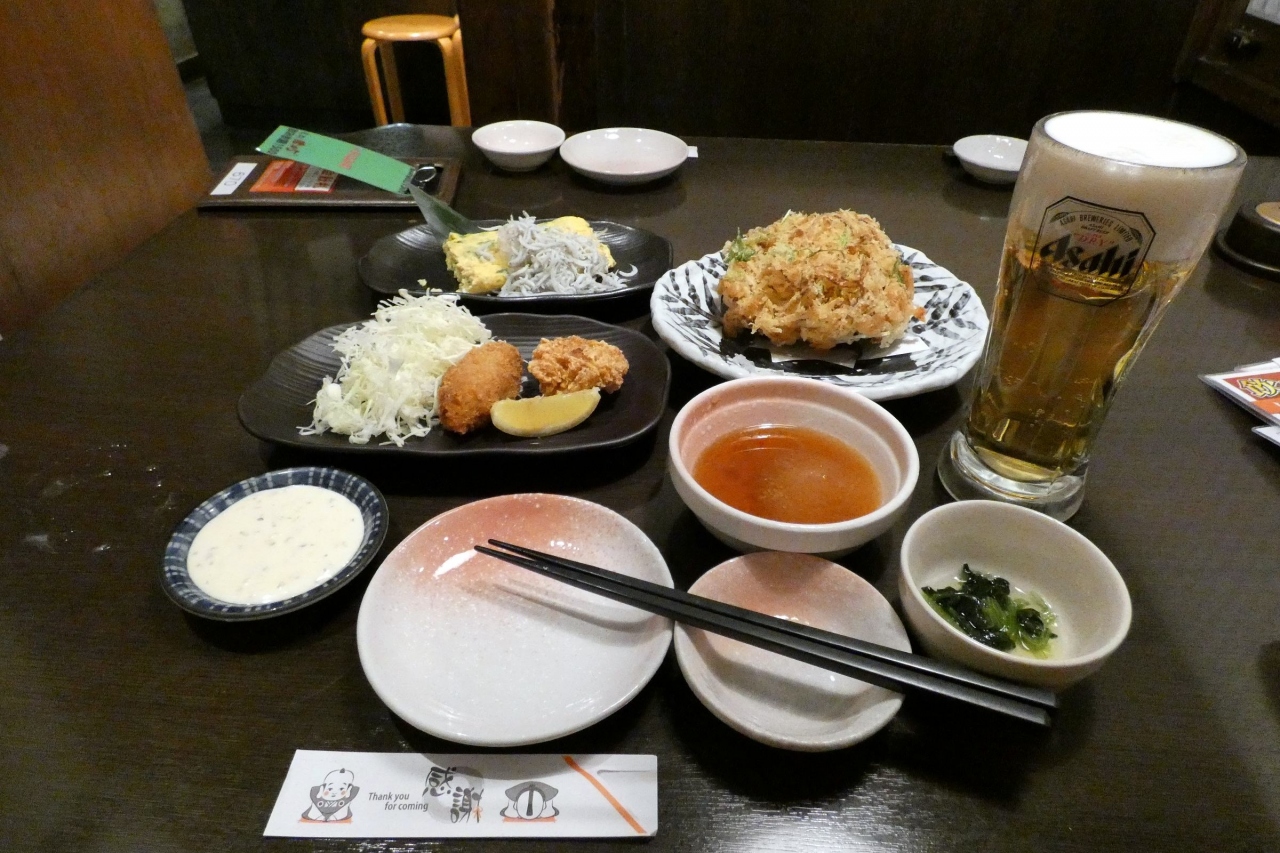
[262, 181]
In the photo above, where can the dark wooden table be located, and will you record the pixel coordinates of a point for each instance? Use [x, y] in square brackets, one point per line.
[126, 726]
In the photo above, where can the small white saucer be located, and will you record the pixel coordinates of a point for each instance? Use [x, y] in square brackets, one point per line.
[771, 698]
[990, 158]
[477, 651]
[624, 155]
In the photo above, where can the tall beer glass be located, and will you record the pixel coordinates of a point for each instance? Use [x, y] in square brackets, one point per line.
[1110, 214]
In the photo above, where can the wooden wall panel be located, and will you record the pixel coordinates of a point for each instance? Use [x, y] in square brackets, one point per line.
[100, 150]
[509, 46]
[297, 62]
[927, 71]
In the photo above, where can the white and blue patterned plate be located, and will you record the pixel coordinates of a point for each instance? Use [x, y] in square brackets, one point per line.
[177, 582]
[935, 352]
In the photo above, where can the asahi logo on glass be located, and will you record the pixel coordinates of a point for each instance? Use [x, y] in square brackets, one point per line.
[1094, 253]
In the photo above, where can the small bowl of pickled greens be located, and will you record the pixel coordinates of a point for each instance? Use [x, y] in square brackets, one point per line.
[1011, 592]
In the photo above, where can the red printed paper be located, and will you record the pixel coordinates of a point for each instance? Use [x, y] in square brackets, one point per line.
[290, 176]
[1256, 388]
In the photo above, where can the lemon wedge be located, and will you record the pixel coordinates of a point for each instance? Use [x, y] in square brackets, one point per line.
[534, 417]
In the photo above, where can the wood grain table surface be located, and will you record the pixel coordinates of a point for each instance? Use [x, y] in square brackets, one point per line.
[127, 726]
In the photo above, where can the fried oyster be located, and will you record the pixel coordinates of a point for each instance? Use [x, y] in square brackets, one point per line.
[820, 278]
[563, 365]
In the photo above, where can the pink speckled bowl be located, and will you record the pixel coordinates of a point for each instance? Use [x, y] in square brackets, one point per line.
[861, 423]
[475, 650]
[771, 698]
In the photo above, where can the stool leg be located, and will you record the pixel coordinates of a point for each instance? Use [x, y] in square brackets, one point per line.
[462, 78]
[368, 56]
[387, 50]
[455, 77]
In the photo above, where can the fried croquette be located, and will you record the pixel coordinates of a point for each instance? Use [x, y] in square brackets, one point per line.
[563, 365]
[485, 375]
[821, 278]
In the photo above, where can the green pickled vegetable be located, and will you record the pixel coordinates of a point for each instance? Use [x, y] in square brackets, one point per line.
[984, 608]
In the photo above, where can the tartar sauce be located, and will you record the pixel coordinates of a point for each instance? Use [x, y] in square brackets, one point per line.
[275, 544]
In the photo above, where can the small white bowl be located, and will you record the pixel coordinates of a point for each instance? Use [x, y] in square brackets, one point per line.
[771, 698]
[994, 159]
[624, 155]
[1034, 553]
[839, 412]
[518, 145]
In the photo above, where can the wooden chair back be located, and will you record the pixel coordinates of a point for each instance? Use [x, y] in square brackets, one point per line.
[98, 147]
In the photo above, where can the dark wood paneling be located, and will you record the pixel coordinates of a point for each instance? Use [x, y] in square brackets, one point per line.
[1236, 57]
[510, 66]
[928, 71]
[574, 26]
[271, 62]
[99, 148]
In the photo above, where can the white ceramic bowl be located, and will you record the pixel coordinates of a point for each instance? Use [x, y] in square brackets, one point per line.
[1034, 553]
[624, 155]
[518, 145]
[771, 698]
[990, 158]
[839, 412]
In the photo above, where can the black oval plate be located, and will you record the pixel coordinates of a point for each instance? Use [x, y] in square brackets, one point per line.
[398, 261]
[275, 406]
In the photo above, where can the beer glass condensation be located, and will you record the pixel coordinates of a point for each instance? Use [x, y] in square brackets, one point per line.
[1110, 214]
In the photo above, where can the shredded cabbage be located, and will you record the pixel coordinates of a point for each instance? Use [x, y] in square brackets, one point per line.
[550, 260]
[391, 368]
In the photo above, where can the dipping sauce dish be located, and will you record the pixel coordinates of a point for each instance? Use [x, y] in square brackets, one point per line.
[251, 592]
[274, 544]
[837, 412]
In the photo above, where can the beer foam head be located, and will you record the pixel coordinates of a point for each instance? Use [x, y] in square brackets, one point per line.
[1139, 139]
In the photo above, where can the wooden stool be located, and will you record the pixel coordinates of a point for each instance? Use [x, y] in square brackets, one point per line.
[381, 34]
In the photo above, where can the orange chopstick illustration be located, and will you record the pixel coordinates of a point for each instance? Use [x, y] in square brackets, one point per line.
[604, 792]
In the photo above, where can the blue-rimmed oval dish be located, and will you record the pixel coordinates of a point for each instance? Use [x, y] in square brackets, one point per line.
[177, 582]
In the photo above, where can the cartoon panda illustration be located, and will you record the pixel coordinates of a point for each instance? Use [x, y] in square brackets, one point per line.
[331, 800]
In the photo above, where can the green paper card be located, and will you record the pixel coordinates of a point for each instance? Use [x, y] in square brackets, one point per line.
[383, 172]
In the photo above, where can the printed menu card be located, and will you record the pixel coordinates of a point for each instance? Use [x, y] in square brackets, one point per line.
[1255, 387]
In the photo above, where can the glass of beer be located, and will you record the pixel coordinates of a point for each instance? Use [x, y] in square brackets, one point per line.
[1110, 214]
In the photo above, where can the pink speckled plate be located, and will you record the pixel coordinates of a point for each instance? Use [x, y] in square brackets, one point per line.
[477, 651]
[771, 698]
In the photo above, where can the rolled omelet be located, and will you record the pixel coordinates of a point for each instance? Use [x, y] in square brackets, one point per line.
[480, 265]
[476, 261]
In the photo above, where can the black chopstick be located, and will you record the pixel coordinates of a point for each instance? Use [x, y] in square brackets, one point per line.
[868, 662]
[1032, 695]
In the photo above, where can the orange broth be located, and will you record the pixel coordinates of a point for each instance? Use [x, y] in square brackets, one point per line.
[789, 473]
